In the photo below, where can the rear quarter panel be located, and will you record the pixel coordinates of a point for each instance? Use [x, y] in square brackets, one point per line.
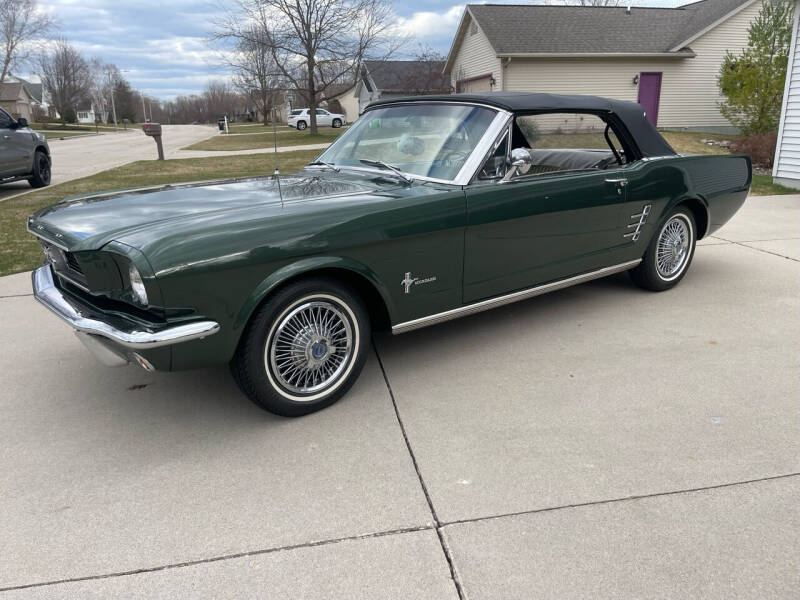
[720, 183]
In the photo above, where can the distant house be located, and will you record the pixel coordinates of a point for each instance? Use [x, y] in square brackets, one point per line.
[17, 100]
[86, 114]
[346, 95]
[786, 168]
[381, 79]
[667, 59]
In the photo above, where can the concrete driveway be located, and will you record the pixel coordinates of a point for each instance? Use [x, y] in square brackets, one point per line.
[597, 442]
[86, 155]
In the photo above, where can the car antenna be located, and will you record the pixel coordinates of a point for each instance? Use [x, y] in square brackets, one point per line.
[277, 173]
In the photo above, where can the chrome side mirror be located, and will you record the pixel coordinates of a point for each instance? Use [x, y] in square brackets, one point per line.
[520, 163]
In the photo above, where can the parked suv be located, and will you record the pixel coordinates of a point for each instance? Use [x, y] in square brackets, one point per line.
[301, 118]
[24, 153]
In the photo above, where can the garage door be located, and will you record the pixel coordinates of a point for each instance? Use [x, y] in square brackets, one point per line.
[475, 84]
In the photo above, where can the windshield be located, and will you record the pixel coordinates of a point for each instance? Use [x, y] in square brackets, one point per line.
[431, 140]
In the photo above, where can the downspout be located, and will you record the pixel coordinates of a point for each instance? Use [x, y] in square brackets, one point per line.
[504, 62]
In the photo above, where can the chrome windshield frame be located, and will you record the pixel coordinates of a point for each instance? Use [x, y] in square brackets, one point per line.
[470, 166]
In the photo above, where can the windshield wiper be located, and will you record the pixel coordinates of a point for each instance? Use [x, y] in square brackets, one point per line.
[324, 164]
[395, 170]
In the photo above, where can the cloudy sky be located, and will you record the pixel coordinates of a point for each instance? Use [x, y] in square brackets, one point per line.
[162, 44]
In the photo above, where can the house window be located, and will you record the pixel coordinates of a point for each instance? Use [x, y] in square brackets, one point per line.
[83, 115]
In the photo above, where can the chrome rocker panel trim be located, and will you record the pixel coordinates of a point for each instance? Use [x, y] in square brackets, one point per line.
[45, 291]
[477, 307]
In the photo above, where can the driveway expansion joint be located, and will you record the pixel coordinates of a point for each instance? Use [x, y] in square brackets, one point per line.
[618, 500]
[445, 548]
[747, 245]
[224, 557]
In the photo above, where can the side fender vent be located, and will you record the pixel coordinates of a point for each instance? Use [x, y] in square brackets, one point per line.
[641, 219]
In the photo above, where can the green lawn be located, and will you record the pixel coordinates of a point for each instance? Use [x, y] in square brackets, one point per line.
[57, 135]
[19, 251]
[77, 127]
[257, 128]
[763, 186]
[266, 140]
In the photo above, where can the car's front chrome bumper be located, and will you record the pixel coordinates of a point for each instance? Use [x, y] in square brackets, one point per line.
[46, 292]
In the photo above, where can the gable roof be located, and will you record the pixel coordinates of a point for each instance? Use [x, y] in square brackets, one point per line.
[10, 91]
[403, 76]
[514, 29]
[34, 89]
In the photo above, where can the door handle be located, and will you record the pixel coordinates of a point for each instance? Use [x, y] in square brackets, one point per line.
[621, 182]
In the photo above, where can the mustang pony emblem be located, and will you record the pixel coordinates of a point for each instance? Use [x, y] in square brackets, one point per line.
[408, 281]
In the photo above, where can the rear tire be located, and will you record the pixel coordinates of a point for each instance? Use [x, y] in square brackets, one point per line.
[41, 170]
[301, 125]
[304, 348]
[669, 254]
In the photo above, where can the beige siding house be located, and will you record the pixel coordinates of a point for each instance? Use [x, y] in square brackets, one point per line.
[17, 100]
[786, 169]
[665, 58]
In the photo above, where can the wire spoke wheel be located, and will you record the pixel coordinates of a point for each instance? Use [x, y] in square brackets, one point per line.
[673, 247]
[311, 347]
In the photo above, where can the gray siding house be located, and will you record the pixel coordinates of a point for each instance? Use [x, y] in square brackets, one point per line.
[381, 79]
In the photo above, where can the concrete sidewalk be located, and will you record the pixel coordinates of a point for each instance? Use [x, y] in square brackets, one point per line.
[600, 441]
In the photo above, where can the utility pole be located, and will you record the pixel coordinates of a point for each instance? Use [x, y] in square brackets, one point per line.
[113, 108]
[144, 112]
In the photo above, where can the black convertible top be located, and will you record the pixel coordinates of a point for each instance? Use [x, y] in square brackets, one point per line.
[631, 114]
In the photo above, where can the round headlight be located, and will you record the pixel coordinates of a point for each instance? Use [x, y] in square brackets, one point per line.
[137, 286]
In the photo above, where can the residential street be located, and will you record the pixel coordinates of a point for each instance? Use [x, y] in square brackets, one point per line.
[600, 441]
[85, 155]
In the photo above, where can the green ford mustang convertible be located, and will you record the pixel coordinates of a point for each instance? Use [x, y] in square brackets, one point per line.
[426, 209]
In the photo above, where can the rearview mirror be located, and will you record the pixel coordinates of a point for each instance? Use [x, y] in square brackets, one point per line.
[520, 163]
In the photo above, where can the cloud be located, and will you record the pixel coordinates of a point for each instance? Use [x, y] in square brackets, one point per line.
[428, 24]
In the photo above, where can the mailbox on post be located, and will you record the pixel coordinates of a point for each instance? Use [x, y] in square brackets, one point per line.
[154, 131]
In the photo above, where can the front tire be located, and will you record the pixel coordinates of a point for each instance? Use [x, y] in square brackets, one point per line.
[41, 170]
[301, 125]
[304, 348]
[337, 123]
[669, 254]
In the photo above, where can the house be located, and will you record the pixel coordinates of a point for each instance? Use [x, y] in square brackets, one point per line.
[346, 96]
[786, 168]
[667, 59]
[85, 113]
[382, 79]
[17, 100]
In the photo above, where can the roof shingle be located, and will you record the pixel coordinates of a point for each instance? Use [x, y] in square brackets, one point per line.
[529, 29]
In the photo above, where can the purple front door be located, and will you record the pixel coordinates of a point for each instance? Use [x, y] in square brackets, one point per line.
[649, 94]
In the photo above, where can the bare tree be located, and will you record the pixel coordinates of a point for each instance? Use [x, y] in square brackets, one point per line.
[66, 76]
[428, 78]
[101, 89]
[316, 43]
[255, 71]
[21, 23]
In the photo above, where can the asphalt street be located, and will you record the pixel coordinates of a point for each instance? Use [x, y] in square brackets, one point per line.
[86, 155]
[600, 441]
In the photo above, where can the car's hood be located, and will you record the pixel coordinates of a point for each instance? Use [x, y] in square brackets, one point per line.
[90, 221]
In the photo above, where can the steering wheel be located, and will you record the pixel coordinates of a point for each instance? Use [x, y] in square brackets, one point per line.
[455, 156]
